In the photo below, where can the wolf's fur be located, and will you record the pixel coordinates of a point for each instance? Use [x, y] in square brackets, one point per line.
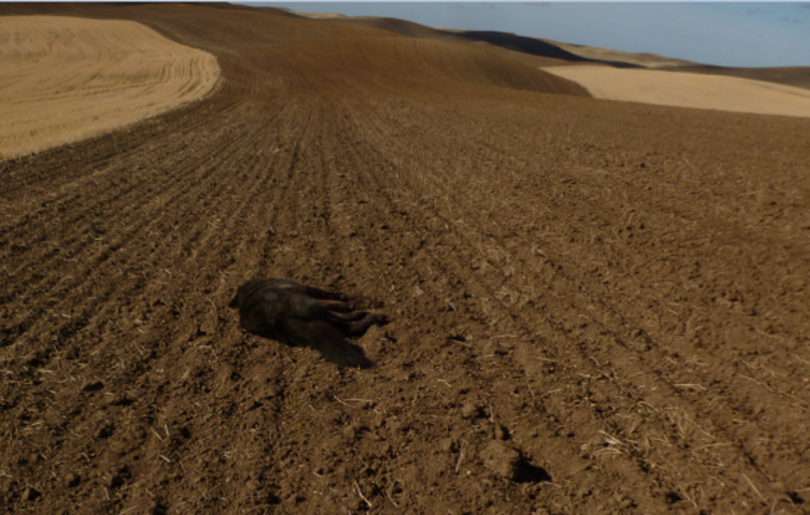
[302, 316]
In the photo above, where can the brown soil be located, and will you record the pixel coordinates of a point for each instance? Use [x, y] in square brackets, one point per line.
[596, 307]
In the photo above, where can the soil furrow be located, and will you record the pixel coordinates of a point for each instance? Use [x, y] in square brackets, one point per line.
[560, 329]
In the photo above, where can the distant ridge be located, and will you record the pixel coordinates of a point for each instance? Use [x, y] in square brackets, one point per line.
[527, 45]
[513, 43]
[545, 52]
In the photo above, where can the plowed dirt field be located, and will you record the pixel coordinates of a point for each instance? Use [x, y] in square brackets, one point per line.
[596, 307]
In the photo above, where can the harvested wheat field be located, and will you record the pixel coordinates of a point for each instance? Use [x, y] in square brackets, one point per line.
[683, 89]
[66, 79]
[596, 306]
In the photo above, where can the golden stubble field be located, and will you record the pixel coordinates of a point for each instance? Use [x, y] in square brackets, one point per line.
[682, 89]
[66, 79]
[597, 307]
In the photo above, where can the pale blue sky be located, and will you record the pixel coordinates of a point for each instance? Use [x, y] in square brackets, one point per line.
[745, 34]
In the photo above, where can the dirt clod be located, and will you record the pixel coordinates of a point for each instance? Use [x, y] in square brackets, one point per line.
[472, 410]
[502, 459]
[449, 445]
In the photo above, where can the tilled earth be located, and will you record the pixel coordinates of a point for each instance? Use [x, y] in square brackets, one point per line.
[596, 307]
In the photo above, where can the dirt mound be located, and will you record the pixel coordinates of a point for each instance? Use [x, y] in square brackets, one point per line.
[597, 307]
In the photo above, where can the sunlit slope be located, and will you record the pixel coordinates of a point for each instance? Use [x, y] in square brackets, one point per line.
[66, 79]
[695, 90]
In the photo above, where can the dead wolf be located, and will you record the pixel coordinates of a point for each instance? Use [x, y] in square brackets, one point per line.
[303, 316]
